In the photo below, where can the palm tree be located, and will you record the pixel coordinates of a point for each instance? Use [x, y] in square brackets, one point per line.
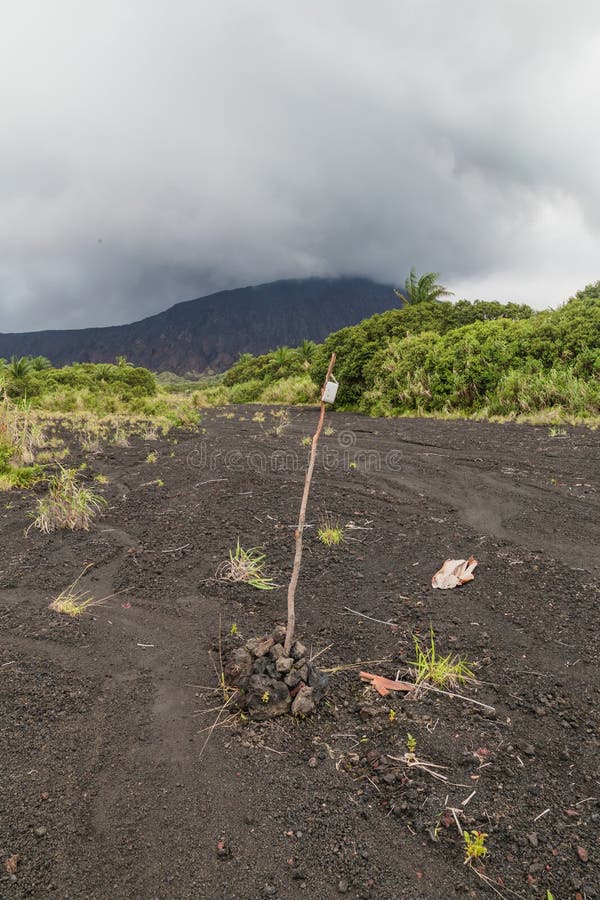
[306, 353]
[40, 363]
[19, 368]
[282, 356]
[422, 290]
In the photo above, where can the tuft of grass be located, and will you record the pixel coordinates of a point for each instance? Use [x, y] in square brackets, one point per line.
[555, 431]
[442, 671]
[152, 457]
[282, 418]
[247, 566]
[101, 479]
[330, 532]
[306, 440]
[120, 437]
[73, 602]
[90, 441]
[474, 846]
[68, 504]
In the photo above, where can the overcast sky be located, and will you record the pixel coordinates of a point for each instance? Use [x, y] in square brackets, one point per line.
[157, 150]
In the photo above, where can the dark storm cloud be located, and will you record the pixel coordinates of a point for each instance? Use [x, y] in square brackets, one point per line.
[153, 152]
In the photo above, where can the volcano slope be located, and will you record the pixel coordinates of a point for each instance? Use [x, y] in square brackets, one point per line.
[114, 785]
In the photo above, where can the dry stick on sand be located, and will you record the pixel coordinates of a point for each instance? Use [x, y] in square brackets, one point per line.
[291, 619]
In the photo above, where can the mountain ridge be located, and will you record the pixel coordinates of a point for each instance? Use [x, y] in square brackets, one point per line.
[208, 334]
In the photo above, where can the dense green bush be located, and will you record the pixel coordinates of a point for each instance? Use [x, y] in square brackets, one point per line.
[357, 345]
[281, 363]
[296, 389]
[549, 359]
[101, 389]
[481, 357]
[27, 377]
[246, 391]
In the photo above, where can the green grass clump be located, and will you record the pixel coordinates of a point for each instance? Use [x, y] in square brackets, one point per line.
[246, 566]
[19, 477]
[441, 671]
[67, 505]
[330, 532]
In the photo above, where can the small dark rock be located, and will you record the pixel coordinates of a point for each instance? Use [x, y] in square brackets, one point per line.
[318, 681]
[223, 851]
[259, 646]
[284, 665]
[266, 697]
[276, 651]
[298, 650]
[238, 666]
[303, 703]
[278, 634]
[294, 678]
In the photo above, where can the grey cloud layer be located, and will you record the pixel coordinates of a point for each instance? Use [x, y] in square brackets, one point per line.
[153, 152]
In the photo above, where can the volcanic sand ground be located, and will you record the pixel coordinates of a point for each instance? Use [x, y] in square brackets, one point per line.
[109, 789]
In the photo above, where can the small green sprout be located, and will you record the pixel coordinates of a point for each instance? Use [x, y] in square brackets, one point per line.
[265, 697]
[474, 845]
[411, 744]
[392, 715]
[152, 457]
[233, 631]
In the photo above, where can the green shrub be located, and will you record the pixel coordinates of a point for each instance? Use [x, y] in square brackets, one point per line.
[504, 366]
[246, 391]
[357, 345]
[297, 389]
[524, 392]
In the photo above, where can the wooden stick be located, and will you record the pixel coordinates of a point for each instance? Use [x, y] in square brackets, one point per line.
[291, 605]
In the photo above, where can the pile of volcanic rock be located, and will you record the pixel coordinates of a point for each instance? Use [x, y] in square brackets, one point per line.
[272, 682]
